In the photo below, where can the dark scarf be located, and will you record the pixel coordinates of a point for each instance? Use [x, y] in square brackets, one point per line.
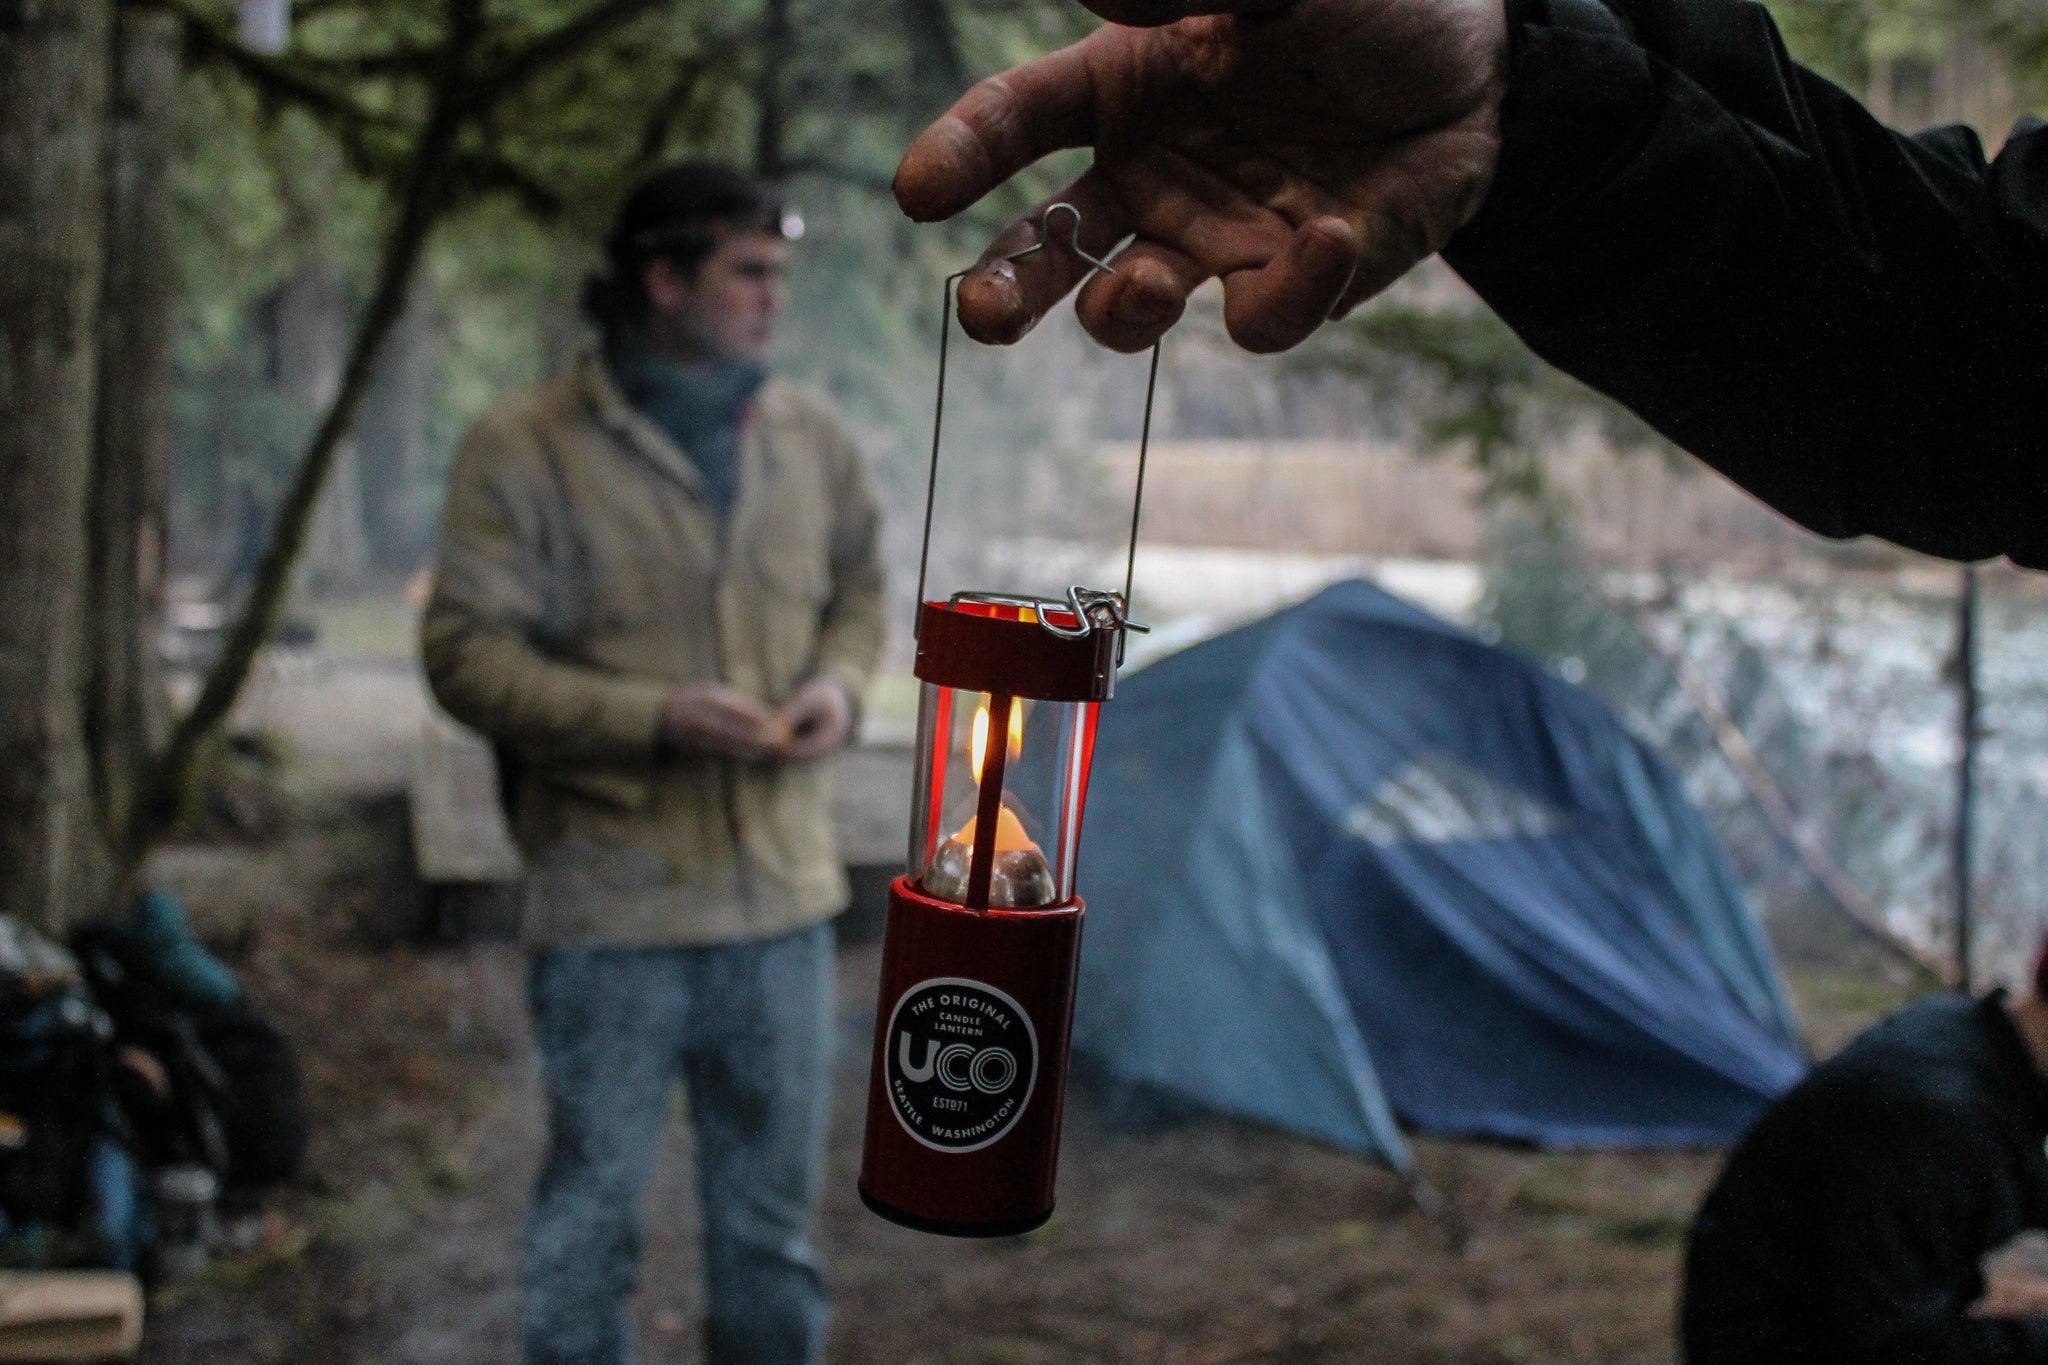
[698, 405]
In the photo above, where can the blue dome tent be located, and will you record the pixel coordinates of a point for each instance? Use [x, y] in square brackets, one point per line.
[1350, 863]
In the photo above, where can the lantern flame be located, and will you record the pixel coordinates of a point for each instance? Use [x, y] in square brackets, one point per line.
[1010, 835]
[977, 748]
[1019, 874]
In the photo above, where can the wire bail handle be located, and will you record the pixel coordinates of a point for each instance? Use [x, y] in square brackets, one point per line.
[1092, 607]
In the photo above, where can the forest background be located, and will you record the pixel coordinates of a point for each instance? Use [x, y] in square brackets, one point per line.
[257, 276]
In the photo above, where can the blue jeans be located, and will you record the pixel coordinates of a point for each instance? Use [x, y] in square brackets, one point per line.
[747, 1028]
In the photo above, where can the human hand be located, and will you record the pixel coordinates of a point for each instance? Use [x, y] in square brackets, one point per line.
[2012, 1295]
[1306, 153]
[711, 718]
[819, 717]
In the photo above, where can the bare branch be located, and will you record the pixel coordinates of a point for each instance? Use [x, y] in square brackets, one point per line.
[465, 24]
[565, 43]
[936, 42]
[353, 126]
[690, 74]
[206, 43]
[391, 62]
[473, 175]
[661, 120]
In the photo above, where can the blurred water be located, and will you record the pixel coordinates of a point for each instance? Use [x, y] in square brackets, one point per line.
[1866, 676]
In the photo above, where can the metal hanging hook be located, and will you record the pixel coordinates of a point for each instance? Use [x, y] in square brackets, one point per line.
[1073, 239]
[1088, 605]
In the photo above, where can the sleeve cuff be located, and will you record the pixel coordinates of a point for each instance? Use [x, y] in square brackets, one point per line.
[853, 681]
[1579, 88]
[630, 717]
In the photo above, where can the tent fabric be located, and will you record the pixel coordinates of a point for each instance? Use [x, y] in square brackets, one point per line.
[1351, 863]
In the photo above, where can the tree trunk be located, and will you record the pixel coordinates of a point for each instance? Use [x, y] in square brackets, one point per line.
[125, 700]
[54, 68]
[309, 327]
[770, 135]
[391, 442]
[338, 551]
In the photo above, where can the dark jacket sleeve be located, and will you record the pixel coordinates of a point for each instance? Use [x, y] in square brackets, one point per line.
[1850, 323]
[1888, 1227]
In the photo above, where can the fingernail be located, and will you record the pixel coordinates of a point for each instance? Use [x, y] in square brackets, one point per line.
[1145, 307]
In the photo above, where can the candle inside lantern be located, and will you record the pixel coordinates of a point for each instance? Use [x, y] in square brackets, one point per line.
[1019, 874]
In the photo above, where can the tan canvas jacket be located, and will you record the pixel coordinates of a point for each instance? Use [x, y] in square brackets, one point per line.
[581, 575]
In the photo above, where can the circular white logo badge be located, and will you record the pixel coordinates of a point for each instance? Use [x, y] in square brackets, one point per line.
[961, 1061]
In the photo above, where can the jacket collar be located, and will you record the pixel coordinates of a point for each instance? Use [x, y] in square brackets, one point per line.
[609, 408]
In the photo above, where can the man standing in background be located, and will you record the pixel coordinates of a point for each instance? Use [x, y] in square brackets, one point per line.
[659, 594]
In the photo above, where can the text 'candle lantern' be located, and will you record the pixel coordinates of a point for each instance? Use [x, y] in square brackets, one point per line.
[983, 940]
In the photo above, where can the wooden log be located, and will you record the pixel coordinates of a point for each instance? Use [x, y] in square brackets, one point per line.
[69, 1315]
[458, 828]
[467, 864]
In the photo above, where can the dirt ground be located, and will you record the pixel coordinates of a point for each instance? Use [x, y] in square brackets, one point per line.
[1199, 1242]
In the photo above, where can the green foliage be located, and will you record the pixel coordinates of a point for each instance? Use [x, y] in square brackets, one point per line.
[295, 158]
[1848, 41]
[248, 214]
[232, 222]
[1844, 39]
[486, 278]
[2020, 30]
[1458, 380]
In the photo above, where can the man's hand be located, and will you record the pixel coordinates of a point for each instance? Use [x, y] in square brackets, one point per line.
[2012, 1296]
[1306, 153]
[711, 718]
[819, 717]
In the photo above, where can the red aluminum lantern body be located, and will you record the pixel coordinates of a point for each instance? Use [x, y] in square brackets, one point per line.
[968, 1080]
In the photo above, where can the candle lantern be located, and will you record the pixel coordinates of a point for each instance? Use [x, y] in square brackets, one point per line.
[983, 939]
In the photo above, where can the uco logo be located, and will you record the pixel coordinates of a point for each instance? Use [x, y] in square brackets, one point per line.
[961, 1063]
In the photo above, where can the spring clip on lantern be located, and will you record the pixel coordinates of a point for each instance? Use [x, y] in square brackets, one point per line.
[983, 941]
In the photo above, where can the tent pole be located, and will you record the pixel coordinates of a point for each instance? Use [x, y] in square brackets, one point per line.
[1432, 1203]
[1966, 768]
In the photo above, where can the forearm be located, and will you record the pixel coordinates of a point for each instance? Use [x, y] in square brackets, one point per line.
[1846, 321]
[491, 604]
[543, 709]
